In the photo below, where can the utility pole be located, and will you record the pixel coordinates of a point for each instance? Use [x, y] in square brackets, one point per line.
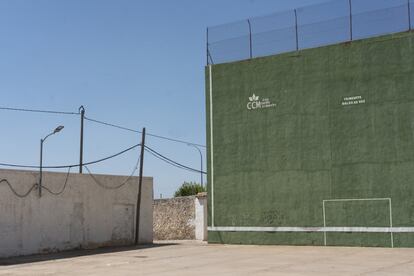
[141, 168]
[82, 113]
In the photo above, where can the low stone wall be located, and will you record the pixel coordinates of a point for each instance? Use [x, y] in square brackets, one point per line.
[84, 215]
[174, 218]
[181, 218]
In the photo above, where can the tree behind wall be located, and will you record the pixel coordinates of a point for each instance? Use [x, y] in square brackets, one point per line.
[188, 189]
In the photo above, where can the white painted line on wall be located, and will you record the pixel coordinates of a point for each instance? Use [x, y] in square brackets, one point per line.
[355, 199]
[324, 222]
[360, 199]
[211, 145]
[313, 229]
[392, 233]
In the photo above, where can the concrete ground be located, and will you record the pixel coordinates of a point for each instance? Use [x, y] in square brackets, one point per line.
[194, 258]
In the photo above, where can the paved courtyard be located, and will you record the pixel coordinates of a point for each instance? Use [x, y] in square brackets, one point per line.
[194, 258]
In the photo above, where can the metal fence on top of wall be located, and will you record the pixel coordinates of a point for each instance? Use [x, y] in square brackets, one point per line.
[308, 27]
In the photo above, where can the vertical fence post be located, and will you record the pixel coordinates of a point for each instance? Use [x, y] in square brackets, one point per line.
[141, 168]
[207, 47]
[409, 15]
[250, 38]
[351, 35]
[296, 30]
[82, 112]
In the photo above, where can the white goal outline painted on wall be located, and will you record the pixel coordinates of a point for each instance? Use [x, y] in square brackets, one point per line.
[362, 228]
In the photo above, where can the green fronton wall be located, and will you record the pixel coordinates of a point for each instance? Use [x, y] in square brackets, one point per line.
[273, 167]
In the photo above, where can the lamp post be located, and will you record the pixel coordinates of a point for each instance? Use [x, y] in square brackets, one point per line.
[59, 128]
[201, 158]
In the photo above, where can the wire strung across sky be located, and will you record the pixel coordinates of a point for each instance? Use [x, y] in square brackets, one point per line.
[62, 190]
[138, 131]
[69, 167]
[100, 122]
[38, 111]
[170, 161]
[73, 165]
[148, 149]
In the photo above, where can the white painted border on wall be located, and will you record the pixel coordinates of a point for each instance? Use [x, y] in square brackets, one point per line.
[313, 229]
[211, 145]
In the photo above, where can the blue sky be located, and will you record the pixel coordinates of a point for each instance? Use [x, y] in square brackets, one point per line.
[134, 63]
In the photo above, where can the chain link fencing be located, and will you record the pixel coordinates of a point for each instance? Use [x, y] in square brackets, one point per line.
[308, 27]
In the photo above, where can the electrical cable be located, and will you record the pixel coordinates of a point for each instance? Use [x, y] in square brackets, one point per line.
[106, 158]
[63, 188]
[15, 192]
[170, 161]
[148, 134]
[111, 125]
[38, 111]
[18, 166]
[66, 183]
[73, 165]
[175, 140]
[148, 149]
[98, 122]
[117, 186]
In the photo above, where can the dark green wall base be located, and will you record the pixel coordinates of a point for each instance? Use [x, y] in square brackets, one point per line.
[270, 238]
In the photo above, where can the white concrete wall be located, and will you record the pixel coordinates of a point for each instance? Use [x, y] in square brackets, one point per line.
[84, 216]
[201, 217]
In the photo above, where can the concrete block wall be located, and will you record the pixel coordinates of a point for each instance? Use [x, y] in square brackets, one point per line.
[85, 215]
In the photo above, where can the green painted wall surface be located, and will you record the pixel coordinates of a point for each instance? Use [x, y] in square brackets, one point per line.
[274, 166]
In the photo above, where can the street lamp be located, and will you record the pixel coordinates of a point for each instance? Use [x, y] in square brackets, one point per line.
[59, 128]
[201, 158]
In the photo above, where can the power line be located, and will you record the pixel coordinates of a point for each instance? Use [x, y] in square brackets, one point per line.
[73, 165]
[148, 149]
[66, 183]
[15, 192]
[111, 156]
[19, 166]
[100, 122]
[38, 110]
[137, 131]
[170, 161]
[112, 125]
[175, 140]
[117, 186]
[63, 188]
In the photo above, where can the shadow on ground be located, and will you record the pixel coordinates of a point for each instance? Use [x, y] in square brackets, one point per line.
[77, 253]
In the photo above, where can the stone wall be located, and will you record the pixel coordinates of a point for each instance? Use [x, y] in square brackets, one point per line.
[174, 218]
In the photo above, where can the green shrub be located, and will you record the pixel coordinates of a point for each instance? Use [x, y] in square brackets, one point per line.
[188, 189]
